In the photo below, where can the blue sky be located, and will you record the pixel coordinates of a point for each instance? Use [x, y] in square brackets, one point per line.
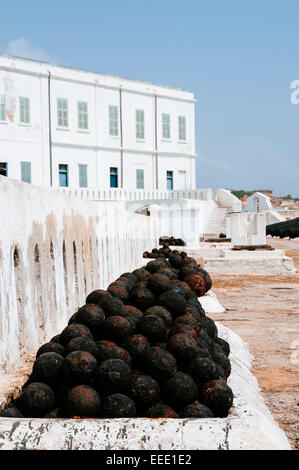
[239, 57]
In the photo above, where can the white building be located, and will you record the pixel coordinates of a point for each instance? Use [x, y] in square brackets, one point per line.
[65, 127]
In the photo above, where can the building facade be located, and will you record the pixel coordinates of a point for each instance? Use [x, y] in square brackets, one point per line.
[66, 127]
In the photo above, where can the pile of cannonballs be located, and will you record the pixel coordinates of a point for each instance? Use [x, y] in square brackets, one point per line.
[142, 348]
[171, 241]
[163, 252]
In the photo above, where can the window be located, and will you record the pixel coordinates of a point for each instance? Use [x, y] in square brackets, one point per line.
[26, 172]
[83, 176]
[63, 175]
[169, 179]
[3, 168]
[82, 115]
[140, 179]
[139, 124]
[113, 120]
[166, 126]
[62, 112]
[2, 107]
[182, 127]
[113, 177]
[24, 110]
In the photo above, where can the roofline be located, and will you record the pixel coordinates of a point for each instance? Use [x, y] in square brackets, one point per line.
[8, 56]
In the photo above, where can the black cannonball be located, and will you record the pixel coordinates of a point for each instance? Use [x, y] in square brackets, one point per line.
[57, 413]
[153, 327]
[116, 328]
[78, 368]
[223, 361]
[183, 328]
[112, 306]
[141, 274]
[133, 314]
[224, 344]
[55, 339]
[130, 280]
[183, 347]
[92, 316]
[96, 296]
[36, 400]
[202, 370]
[83, 401]
[11, 412]
[209, 326]
[82, 344]
[119, 289]
[118, 405]
[73, 319]
[142, 298]
[160, 363]
[158, 283]
[110, 350]
[174, 302]
[145, 391]
[197, 283]
[160, 312]
[51, 347]
[112, 376]
[196, 410]
[188, 320]
[137, 346]
[74, 330]
[180, 391]
[160, 410]
[155, 265]
[176, 261]
[207, 278]
[46, 368]
[217, 396]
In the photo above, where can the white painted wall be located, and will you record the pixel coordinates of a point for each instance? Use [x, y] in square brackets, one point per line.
[42, 280]
[257, 202]
[94, 147]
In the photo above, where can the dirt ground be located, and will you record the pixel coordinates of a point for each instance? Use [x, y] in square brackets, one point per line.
[264, 311]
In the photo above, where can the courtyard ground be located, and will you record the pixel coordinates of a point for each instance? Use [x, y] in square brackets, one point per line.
[264, 311]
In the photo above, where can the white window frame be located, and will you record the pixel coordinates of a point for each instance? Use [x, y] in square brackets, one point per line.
[2, 107]
[182, 128]
[166, 126]
[62, 113]
[82, 111]
[24, 103]
[140, 135]
[113, 120]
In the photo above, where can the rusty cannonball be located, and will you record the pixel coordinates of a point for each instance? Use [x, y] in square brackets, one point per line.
[217, 396]
[158, 283]
[83, 401]
[78, 367]
[130, 280]
[169, 272]
[112, 306]
[180, 391]
[46, 368]
[206, 277]
[183, 288]
[186, 270]
[160, 312]
[116, 328]
[118, 405]
[223, 361]
[55, 339]
[57, 413]
[174, 302]
[188, 320]
[82, 344]
[191, 311]
[182, 346]
[133, 314]
[92, 316]
[137, 346]
[153, 328]
[155, 265]
[141, 273]
[183, 328]
[145, 391]
[51, 347]
[36, 400]
[197, 283]
[119, 289]
[96, 296]
[160, 410]
[196, 410]
[112, 376]
[73, 318]
[74, 330]
[110, 350]
[160, 363]
[142, 298]
[202, 370]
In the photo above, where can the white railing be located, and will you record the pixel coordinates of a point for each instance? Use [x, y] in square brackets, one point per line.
[137, 194]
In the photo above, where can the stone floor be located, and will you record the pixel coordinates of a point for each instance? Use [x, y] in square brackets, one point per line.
[264, 311]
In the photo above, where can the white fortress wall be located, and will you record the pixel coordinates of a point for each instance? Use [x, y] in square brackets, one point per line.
[54, 250]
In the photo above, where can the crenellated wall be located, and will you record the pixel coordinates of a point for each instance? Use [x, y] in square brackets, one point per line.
[54, 250]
